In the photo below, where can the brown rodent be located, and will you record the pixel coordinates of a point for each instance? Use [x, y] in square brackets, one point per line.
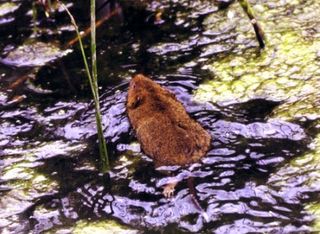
[164, 129]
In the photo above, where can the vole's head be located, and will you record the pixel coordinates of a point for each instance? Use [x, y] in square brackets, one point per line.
[141, 83]
[139, 89]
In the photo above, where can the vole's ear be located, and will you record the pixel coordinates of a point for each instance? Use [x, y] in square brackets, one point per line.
[135, 102]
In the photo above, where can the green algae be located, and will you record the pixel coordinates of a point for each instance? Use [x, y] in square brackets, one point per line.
[34, 54]
[25, 187]
[278, 73]
[314, 208]
[103, 226]
[305, 108]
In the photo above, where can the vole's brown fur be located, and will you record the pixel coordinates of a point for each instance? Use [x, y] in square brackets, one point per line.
[164, 129]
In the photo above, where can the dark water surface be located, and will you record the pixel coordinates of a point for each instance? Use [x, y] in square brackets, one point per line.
[262, 172]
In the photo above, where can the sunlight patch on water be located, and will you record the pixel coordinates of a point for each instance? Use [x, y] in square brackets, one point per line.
[45, 150]
[25, 184]
[8, 7]
[314, 180]
[303, 172]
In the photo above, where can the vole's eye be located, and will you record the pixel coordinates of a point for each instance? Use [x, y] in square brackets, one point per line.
[136, 102]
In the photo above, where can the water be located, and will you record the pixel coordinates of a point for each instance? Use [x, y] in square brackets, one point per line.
[262, 172]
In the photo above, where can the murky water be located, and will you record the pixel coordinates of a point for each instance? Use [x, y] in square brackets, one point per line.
[262, 174]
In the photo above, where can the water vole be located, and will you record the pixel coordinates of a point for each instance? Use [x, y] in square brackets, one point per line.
[164, 129]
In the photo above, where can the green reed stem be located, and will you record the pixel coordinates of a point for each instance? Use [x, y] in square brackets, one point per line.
[102, 143]
[34, 19]
[93, 80]
[257, 29]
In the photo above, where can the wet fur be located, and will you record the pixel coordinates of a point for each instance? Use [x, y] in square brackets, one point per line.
[164, 129]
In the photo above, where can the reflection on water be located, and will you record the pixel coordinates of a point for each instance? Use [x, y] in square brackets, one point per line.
[49, 177]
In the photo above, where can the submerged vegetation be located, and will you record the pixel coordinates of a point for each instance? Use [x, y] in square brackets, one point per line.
[261, 108]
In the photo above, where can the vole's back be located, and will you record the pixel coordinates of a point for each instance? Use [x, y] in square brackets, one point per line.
[166, 132]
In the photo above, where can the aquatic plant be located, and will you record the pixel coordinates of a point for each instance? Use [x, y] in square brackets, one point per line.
[93, 80]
